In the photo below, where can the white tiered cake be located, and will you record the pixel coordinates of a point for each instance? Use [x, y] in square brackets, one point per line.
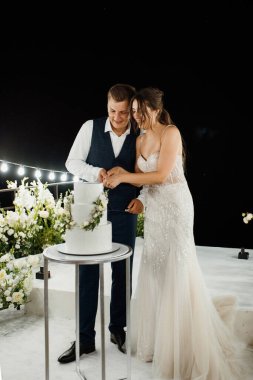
[83, 238]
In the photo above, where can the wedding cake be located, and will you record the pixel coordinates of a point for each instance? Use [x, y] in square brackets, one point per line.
[90, 232]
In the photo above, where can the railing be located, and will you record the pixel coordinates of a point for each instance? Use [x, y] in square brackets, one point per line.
[55, 184]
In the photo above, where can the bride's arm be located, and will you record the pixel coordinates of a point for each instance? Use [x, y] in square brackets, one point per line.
[117, 170]
[170, 147]
[138, 152]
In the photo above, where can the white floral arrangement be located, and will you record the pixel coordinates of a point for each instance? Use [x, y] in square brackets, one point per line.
[16, 280]
[247, 217]
[38, 220]
[96, 214]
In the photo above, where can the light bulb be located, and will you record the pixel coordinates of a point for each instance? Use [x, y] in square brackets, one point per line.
[64, 177]
[51, 176]
[21, 170]
[37, 173]
[4, 167]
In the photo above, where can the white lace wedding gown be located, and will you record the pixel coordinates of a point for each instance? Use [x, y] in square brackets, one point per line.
[175, 323]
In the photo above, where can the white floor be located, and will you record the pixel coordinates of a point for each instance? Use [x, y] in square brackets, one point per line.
[22, 338]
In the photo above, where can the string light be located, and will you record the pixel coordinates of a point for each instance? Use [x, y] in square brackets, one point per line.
[51, 176]
[21, 170]
[4, 167]
[37, 172]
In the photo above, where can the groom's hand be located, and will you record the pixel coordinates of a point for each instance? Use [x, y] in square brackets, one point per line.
[112, 181]
[135, 207]
[102, 175]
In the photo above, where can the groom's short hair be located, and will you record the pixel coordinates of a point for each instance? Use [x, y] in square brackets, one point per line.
[121, 92]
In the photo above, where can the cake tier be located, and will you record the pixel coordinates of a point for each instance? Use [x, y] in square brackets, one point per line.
[81, 242]
[82, 213]
[87, 192]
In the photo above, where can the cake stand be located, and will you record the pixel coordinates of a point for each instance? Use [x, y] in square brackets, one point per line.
[119, 252]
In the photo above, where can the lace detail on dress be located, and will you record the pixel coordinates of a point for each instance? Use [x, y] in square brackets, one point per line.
[150, 165]
[175, 324]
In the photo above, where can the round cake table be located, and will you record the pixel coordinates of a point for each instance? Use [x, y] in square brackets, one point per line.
[118, 252]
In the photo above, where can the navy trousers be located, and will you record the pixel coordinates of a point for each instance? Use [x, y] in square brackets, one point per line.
[124, 232]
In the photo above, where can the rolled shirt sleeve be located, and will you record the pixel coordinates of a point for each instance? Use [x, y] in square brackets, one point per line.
[142, 196]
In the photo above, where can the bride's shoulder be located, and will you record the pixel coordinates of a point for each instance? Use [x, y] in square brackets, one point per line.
[170, 131]
[171, 127]
[138, 141]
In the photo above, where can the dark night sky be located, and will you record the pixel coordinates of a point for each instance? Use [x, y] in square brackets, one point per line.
[55, 74]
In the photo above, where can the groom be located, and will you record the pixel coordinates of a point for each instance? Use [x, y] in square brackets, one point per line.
[100, 145]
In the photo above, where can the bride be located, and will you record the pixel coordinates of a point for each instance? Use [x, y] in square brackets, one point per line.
[178, 327]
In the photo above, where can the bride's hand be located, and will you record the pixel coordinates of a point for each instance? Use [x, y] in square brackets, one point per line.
[112, 181]
[116, 170]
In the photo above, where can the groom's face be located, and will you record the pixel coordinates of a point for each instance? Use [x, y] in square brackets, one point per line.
[119, 115]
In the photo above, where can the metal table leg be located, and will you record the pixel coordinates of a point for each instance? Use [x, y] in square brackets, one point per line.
[128, 318]
[78, 370]
[46, 318]
[102, 319]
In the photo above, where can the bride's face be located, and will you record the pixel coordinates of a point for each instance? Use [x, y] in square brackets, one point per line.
[136, 113]
[144, 121]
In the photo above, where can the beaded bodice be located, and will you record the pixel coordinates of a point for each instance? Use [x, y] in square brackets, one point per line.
[150, 165]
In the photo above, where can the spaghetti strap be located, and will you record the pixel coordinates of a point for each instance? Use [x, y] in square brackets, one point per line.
[165, 129]
[167, 126]
[141, 138]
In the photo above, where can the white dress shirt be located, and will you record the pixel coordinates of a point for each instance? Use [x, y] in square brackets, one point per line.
[76, 161]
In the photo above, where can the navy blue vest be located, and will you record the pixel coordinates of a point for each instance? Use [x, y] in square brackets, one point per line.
[101, 154]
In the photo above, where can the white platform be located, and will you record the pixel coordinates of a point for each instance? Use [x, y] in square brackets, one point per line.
[224, 273]
[22, 339]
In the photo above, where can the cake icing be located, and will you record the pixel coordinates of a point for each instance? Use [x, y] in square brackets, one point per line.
[90, 232]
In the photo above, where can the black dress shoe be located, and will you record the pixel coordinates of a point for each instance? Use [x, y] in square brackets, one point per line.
[119, 339]
[70, 355]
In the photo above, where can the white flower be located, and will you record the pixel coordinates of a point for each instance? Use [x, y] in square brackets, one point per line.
[96, 214]
[247, 217]
[17, 297]
[12, 185]
[16, 284]
[28, 284]
[60, 211]
[44, 214]
[2, 275]
[33, 260]
[25, 199]
[10, 266]
[6, 258]
[12, 218]
[36, 222]
[18, 264]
